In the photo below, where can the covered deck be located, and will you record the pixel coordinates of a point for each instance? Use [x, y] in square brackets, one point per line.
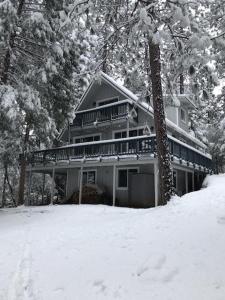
[107, 157]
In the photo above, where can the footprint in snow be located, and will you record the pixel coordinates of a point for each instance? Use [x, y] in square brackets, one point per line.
[161, 261]
[221, 220]
[170, 276]
[99, 284]
[142, 270]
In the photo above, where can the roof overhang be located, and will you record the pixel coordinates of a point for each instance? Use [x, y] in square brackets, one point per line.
[185, 98]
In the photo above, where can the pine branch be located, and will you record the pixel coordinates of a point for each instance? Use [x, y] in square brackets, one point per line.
[28, 53]
[218, 36]
[19, 37]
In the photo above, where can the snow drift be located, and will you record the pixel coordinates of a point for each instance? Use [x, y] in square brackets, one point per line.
[99, 252]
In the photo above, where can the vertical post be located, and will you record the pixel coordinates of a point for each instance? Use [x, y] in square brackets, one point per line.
[69, 134]
[114, 185]
[193, 181]
[156, 182]
[128, 127]
[81, 185]
[43, 187]
[186, 181]
[67, 182]
[29, 187]
[53, 184]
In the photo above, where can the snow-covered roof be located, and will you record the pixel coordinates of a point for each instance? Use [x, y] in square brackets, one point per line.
[149, 109]
[140, 103]
[119, 87]
[172, 125]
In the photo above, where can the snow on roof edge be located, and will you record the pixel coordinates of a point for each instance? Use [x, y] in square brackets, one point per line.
[120, 87]
[147, 107]
[142, 104]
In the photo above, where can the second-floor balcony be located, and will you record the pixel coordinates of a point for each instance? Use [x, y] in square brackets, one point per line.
[141, 146]
[106, 113]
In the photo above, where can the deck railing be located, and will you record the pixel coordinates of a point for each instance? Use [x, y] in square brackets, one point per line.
[101, 114]
[121, 147]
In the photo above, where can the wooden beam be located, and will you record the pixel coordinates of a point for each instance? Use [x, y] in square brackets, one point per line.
[81, 185]
[114, 185]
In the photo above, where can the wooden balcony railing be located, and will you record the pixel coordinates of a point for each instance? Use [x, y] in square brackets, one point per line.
[101, 114]
[118, 147]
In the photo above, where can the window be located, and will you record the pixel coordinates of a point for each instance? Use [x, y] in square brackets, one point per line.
[105, 102]
[136, 132]
[123, 177]
[124, 147]
[86, 139]
[132, 133]
[183, 115]
[120, 134]
[89, 177]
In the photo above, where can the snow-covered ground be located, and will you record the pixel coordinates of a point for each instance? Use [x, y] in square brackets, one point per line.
[99, 252]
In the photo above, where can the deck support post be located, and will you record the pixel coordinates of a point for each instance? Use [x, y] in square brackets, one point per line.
[114, 185]
[53, 184]
[156, 182]
[43, 187]
[186, 181]
[193, 181]
[67, 182]
[128, 127]
[29, 187]
[81, 185]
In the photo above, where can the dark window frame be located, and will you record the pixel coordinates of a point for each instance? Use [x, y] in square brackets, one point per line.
[125, 171]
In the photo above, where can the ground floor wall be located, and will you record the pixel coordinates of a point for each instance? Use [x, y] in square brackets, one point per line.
[139, 189]
[133, 186]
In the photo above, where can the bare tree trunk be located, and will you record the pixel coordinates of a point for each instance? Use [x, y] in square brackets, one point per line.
[181, 84]
[9, 185]
[165, 173]
[43, 188]
[23, 165]
[4, 191]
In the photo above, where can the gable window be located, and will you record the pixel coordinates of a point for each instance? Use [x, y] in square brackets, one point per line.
[107, 101]
[183, 115]
[123, 177]
[89, 177]
[86, 139]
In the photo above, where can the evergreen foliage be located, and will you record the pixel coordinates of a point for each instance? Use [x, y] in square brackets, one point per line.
[50, 49]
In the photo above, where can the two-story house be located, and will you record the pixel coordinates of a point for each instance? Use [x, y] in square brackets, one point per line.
[111, 144]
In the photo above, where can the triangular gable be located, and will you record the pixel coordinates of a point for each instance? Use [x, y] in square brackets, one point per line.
[127, 94]
[104, 87]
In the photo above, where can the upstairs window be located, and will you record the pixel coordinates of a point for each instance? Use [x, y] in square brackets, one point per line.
[107, 101]
[136, 132]
[86, 139]
[120, 134]
[183, 115]
[132, 133]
